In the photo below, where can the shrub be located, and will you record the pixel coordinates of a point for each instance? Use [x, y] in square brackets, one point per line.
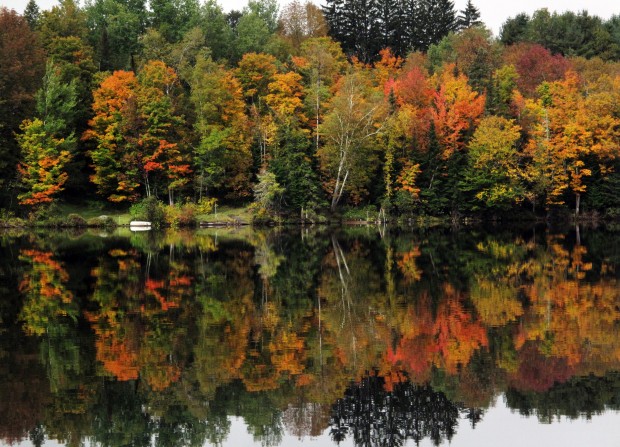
[180, 215]
[188, 215]
[612, 213]
[102, 222]
[149, 209]
[206, 205]
[366, 213]
[75, 221]
[8, 220]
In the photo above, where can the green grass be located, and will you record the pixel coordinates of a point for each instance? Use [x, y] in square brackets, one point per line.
[227, 214]
[89, 210]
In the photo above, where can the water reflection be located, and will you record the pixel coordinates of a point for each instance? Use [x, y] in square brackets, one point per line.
[376, 339]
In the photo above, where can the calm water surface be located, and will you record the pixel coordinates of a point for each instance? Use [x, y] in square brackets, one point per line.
[310, 338]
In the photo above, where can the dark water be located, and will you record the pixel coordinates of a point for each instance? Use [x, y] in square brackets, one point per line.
[354, 337]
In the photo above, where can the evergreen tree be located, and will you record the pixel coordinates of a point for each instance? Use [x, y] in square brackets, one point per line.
[409, 25]
[32, 14]
[335, 18]
[470, 16]
[389, 14]
[435, 19]
[114, 31]
[357, 25]
[362, 25]
[514, 29]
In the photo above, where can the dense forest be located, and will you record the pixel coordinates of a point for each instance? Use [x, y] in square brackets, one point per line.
[410, 107]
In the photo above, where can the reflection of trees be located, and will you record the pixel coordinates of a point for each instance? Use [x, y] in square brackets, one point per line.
[579, 396]
[373, 416]
[134, 316]
[166, 337]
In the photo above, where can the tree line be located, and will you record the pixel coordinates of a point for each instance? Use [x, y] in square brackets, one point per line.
[408, 107]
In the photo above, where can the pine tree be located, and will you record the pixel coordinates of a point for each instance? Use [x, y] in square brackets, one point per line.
[514, 29]
[32, 14]
[356, 24]
[470, 16]
[363, 29]
[334, 18]
[409, 26]
[388, 27]
[435, 19]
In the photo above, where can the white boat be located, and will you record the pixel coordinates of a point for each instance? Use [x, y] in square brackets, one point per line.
[139, 225]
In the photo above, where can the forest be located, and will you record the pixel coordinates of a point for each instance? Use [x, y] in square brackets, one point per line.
[407, 108]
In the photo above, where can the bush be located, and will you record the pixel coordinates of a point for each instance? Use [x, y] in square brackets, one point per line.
[46, 216]
[206, 205]
[180, 215]
[8, 220]
[612, 213]
[365, 213]
[102, 222]
[149, 209]
[75, 221]
[188, 215]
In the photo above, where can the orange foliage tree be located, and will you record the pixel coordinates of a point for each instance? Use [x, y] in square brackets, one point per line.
[136, 131]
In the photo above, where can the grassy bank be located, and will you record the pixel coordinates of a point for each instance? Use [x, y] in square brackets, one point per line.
[98, 214]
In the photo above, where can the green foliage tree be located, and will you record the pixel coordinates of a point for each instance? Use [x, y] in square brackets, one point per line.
[222, 157]
[568, 33]
[173, 18]
[48, 144]
[493, 171]
[256, 29]
[63, 20]
[267, 195]
[353, 120]
[42, 165]
[114, 28]
[20, 76]
[218, 34]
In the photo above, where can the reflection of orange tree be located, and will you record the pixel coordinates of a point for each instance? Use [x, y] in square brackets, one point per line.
[133, 324]
[570, 319]
[277, 351]
[44, 285]
[242, 339]
[445, 340]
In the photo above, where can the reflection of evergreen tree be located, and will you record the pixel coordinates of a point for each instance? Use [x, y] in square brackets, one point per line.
[37, 435]
[374, 416]
[578, 397]
[119, 419]
[260, 410]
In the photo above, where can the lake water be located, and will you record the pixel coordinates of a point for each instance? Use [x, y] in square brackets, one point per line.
[310, 337]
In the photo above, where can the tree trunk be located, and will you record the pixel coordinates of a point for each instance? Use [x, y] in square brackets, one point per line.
[577, 204]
